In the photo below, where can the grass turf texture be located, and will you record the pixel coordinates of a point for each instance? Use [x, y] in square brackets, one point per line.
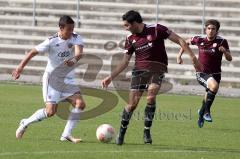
[175, 132]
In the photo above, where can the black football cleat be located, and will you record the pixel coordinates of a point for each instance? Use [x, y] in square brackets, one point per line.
[147, 136]
[200, 120]
[120, 136]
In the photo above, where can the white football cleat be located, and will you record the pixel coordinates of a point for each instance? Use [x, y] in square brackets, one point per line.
[71, 139]
[21, 129]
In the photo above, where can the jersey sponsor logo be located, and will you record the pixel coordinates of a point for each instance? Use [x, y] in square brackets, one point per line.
[148, 45]
[64, 54]
[209, 51]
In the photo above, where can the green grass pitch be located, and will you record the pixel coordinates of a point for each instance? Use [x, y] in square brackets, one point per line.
[175, 133]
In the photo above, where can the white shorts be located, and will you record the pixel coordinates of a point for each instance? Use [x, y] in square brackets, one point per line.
[55, 90]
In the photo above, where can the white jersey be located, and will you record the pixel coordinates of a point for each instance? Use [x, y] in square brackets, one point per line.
[58, 50]
[58, 79]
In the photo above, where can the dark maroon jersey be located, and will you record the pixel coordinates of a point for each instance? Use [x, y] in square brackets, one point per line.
[209, 55]
[149, 48]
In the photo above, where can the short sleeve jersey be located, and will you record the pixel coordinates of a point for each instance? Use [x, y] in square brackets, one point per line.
[58, 49]
[209, 55]
[149, 48]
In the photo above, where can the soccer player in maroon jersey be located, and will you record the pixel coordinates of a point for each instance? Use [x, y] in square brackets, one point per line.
[211, 49]
[147, 42]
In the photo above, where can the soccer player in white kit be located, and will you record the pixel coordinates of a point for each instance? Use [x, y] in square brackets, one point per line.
[60, 58]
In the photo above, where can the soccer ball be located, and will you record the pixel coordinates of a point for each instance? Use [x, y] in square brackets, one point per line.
[105, 133]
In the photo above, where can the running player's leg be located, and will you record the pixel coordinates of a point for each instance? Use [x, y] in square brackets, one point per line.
[202, 79]
[134, 97]
[50, 96]
[138, 85]
[78, 103]
[153, 89]
[212, 86]
[38, 116]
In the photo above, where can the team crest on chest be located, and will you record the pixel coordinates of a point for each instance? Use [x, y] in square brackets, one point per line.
[214, 44]
[149, 37]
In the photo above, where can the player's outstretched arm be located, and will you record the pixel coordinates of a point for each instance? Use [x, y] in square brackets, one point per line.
[16, 72]
[120, 67]
[178, 40]
[181, 51]
[179, 56]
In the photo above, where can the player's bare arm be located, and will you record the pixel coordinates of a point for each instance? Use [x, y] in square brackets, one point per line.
[120, 67]
[16, 73]
[226, 53]
[181, 51]
[77, 56]
[178, 40]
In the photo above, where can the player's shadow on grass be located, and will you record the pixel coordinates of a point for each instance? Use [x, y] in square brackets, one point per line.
[160, 147]
[224, 130]
[185, 148]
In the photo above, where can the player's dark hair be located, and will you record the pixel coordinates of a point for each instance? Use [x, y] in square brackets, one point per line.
[65, 19]
[213, 22]
[132, 16]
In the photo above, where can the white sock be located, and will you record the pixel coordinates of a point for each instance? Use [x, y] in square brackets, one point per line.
[39, 115]
[73, 119]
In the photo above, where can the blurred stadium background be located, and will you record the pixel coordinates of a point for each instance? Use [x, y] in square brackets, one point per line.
[25, 23]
